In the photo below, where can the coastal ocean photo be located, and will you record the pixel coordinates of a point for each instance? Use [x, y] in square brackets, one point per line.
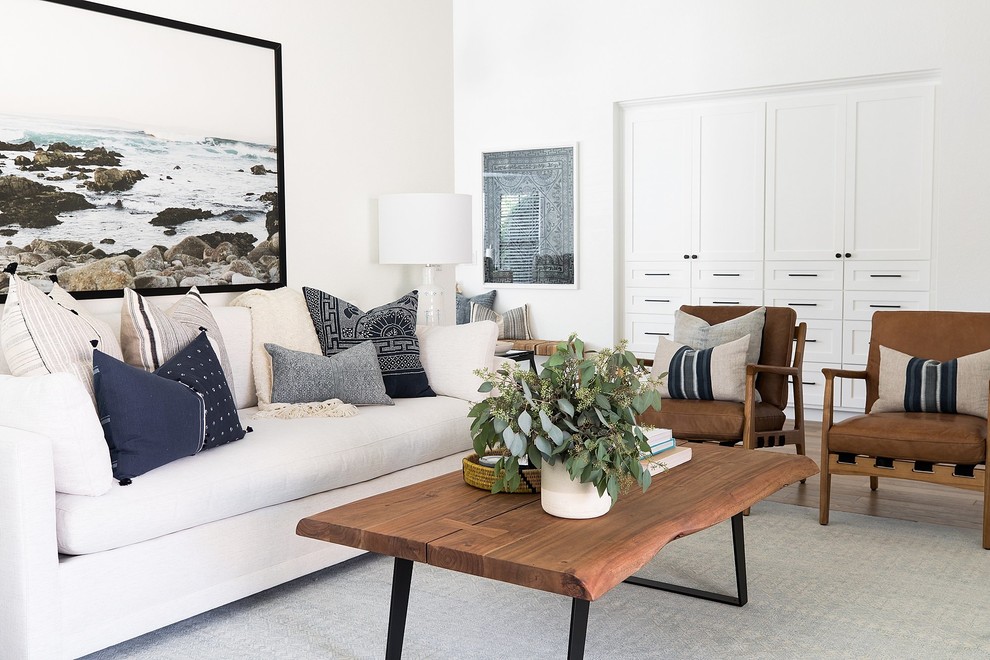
[165, 177]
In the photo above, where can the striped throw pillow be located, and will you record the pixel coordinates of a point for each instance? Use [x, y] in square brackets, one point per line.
[913, 384]
[513, 324]
[150, 335]
[43, 334]
[710, 374]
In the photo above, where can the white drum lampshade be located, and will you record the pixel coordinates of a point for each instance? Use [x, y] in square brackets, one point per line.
[429, 229]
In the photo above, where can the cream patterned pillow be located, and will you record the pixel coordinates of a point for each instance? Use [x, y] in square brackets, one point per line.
[710, 374]
[914, 384]
[150, 336]
[514, 324]
[698, 333]
[41, 334]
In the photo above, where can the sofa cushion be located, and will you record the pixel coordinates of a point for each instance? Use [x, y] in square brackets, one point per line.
[281, 461]
[513, 324]
[711, 420]
[41, 334]
[452, 353]
[150, 335]
[392, 326]
[915, 384]
[353, 376]
[148, 421]
[463, 305]
[58, 407]
[931, 437]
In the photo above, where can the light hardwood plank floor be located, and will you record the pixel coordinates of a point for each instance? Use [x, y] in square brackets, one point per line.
[894, 498]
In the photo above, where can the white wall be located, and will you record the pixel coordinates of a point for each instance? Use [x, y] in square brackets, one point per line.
[368, 110]
[550, 72]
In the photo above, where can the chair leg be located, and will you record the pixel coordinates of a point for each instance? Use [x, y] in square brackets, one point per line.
[826, 481]
[986, 506]
[874, 482]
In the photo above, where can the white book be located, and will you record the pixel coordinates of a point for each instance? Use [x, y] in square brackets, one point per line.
[654, 436]
[666, 460]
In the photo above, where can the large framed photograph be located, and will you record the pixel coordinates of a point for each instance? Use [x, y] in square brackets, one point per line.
[530, 217]
[138, 151]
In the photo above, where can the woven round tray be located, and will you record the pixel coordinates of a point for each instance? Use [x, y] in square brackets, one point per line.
[483, 476]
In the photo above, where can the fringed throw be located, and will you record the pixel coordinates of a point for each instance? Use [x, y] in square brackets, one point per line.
[329, 408]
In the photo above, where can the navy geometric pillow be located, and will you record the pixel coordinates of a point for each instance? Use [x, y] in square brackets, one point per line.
[392, 327]
[198, 367]
[147, 420]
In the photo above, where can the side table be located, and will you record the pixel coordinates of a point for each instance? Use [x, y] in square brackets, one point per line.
[521, 356]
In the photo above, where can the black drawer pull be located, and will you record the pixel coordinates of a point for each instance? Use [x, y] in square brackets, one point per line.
[802, 274]
[805, 382]
[810, 341]
[726, 274]
[802, 304]
[885, 275]
[657, 300]
[885, 306]
[657, 274]
[657, 334]
[725, 302]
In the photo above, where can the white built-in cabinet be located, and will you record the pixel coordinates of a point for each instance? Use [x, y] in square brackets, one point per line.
[821, 201]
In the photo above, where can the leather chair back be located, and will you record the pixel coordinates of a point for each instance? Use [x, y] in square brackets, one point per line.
[777, 348]
[932, 335]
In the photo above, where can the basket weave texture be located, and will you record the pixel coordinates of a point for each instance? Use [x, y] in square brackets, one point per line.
[483, 476]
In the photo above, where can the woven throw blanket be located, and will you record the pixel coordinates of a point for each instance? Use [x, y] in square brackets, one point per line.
[330, 408]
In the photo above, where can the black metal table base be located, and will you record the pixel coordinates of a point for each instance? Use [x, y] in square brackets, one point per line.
[402, 580]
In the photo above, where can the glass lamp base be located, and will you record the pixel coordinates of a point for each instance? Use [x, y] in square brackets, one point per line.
[430, 299]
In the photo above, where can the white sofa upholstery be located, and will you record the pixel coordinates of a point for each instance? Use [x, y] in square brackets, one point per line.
[81, 573]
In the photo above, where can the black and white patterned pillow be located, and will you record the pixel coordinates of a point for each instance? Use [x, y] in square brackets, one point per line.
[514, 324]
[914, 384]
[712, 374]
[353, 376]
[392, 327]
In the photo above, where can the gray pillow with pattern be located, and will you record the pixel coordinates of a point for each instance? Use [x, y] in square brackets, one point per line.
[353, 376]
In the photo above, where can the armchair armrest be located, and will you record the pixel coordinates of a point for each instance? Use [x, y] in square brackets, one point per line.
[829, 403]
[771, 369]
[859, 374]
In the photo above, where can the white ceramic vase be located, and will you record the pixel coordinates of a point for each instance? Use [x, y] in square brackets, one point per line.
[565, 498]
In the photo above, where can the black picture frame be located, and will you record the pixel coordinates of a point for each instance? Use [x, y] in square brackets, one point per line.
[252, 223]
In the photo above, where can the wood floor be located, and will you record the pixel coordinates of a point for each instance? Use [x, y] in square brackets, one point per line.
[895, 498]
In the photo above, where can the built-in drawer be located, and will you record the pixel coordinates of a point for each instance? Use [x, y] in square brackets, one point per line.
[644, 330]
[744, 297]
[808, 303]
[855, 342]
[656, 301]
[887, 275]
[853, 392]
[861, 305]
[813, 384]
[728, 274]
[803, 274]
[823, 343]
[659, 274]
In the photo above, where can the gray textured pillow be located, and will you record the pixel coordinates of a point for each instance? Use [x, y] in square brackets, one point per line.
[463, 309]
[699, 334]
[353, 376]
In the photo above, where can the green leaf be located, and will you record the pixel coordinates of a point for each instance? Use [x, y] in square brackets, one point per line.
[479, 445]
[526, 391]
[602, 401]
[514, 442]
[566, 407]
[555, 360]
[543, 445]
[500, 425]
[613, 487]
[579, 347]
[533, 451]
[486, 386]
[556, 435]
[525, 422]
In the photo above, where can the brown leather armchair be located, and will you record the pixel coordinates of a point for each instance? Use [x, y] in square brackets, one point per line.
[754, 423]
[940, 448]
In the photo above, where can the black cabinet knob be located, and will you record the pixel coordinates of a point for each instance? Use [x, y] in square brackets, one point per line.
[848, 254]
[694, 256]
[687, 256]
[838, 255]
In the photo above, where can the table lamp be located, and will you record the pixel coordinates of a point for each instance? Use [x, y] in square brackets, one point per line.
[425, 228]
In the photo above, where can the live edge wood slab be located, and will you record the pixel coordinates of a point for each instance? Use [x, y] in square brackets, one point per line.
[446, 523]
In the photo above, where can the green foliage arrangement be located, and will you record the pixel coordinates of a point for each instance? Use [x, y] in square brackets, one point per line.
[580, 409]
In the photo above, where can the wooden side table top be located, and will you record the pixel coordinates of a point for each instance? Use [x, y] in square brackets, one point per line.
[444, 522]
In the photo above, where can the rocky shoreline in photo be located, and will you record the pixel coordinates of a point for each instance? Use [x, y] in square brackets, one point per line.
[208, 259]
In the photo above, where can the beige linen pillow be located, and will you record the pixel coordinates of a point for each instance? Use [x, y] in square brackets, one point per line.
[709, 374]
[451, 353]
[914, 384]
[698, 333]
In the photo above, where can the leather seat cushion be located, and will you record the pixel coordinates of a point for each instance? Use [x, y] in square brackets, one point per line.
[710, 420]
[930, 437]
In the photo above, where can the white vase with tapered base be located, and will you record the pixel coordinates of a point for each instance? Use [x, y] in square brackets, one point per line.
[564, 497]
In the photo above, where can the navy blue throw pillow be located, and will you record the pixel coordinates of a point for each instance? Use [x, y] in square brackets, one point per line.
[147, 420]
[197, 367]
[392, 327]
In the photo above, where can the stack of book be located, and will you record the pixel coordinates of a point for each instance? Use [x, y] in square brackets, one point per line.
[664, 452]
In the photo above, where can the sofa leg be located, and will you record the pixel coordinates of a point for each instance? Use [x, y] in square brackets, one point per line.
[874, 482]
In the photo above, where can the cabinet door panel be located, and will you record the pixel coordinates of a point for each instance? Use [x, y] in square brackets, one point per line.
[729, 202]
[656, 301]
[658, 184]
[659, 274]
[744, 297]
[855, 343]
[644, 330]
[860, 305]
[823, 342]
[887, 275]
[805, 177]
[803, 274]
[809, 304]
[889, 174]
[728, 275]
[853, 395]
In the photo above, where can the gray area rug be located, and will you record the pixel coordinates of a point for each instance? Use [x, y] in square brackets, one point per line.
[862, 587]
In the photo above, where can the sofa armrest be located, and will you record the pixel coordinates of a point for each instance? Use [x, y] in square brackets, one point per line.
[29, 613]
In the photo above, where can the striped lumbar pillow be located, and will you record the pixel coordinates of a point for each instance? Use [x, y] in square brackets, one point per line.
[514, 324]
[150, 336]
[914, 384]
[41, 334]
[713, 374]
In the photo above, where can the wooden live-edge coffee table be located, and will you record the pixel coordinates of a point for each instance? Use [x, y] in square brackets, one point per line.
[444, 522]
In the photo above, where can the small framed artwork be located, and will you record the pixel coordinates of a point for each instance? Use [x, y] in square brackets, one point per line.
[530, 217]
[147, 155]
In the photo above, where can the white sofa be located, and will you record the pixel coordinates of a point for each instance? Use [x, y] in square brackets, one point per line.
[80, 573]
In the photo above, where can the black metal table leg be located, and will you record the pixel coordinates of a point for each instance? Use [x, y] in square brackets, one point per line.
[579, 628]
[401, 581]
[739, 553]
